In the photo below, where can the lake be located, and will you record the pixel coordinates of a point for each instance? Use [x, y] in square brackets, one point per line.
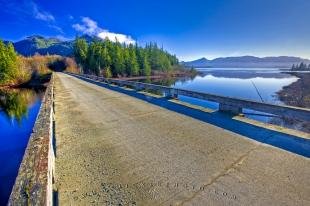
[18, 112]
[260, 84]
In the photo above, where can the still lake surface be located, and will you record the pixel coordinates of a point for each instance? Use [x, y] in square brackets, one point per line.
[261, 84]
[18, 112]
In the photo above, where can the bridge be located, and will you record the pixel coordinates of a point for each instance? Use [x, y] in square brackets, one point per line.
[116, 146]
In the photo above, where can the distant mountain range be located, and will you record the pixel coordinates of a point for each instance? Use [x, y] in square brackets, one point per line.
[247, 62]
[42, 45]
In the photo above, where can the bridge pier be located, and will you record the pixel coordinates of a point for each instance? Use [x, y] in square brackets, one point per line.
[230, 108]
[172, 94]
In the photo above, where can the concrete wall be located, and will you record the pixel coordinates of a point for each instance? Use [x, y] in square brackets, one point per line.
[34, 183]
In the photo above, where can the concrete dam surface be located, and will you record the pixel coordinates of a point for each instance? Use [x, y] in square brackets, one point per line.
[115, 149]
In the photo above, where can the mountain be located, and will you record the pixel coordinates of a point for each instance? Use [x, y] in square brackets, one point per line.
[42, 45]
[39, 44]
[203, 62]
[247, 62]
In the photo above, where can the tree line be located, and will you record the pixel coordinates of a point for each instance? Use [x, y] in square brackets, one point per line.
[16, 70]
[115, 59]
[301, 67]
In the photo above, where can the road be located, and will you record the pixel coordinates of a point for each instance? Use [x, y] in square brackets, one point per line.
[114, 149]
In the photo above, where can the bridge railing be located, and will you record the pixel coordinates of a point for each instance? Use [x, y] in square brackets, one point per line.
[227, 104]
[34, 183]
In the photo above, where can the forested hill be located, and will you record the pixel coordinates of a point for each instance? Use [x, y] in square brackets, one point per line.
[115, 59]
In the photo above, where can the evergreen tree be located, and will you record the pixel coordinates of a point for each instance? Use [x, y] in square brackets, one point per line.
[126, 56]
[8, 63]
[145, 66]
[133, 64]
[105, 58]
[80, 52]
[119, 59]
[118, 64]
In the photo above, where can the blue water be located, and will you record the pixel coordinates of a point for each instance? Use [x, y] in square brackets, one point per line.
[239, 83]
[14, 136]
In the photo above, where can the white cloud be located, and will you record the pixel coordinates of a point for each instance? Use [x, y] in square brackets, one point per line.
[40, 14]
[114, 36]
[90, 27]
[44, 16]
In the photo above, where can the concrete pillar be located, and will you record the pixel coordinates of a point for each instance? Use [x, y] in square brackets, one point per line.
[172, 94]
[230, 108]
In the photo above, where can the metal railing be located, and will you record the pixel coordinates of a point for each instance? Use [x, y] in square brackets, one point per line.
[228, 104]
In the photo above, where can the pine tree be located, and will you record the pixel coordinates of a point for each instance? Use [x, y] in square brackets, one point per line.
[146, 67]
[80, 52]
[121, 59]
[134, 66]
[118, 60]
[8, 63]
[127, 65]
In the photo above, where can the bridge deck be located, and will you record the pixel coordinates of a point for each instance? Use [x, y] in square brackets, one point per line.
[115, 149]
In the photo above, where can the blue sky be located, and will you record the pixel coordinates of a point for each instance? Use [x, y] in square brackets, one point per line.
[190, 29]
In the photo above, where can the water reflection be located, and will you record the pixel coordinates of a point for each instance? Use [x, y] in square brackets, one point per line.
[238, 83]
[245, 73]
[234, 83]
[18, 112]
[14, 102]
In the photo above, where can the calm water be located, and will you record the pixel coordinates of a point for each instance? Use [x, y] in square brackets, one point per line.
[235, 82]
[18, 112]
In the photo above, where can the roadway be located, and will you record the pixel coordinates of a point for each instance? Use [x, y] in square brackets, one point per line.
[115, 149]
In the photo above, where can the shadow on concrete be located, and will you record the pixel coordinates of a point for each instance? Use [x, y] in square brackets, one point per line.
[283, 141]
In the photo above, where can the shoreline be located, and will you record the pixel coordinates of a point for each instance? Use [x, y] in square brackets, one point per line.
[297, 94]
[161, 75]
[37, 82]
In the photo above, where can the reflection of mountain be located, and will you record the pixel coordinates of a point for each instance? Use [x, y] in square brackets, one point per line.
[245, 74]
[15, 102]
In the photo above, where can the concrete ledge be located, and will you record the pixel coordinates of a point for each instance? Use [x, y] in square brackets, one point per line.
[34, 183]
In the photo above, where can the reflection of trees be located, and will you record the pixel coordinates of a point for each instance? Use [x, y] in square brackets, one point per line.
[164, 81]
[14, 102]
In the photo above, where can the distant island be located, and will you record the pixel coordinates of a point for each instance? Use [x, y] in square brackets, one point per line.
[247, 62]
[301, 67]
